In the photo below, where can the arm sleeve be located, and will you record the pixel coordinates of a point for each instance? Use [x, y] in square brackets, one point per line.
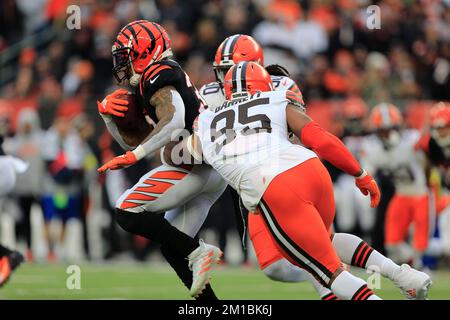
[112, 128]
[164, 136]
[330, 148]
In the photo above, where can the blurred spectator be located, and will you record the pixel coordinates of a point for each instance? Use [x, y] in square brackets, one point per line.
[63, 153]
[284, 28]
[85, 130]
[343, 79]
[26, 145]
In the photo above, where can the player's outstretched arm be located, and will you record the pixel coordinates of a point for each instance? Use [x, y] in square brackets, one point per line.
[330, 148]
[169, 108]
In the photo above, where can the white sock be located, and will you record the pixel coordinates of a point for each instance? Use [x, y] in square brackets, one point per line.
[354, 251]
[378, 262]
[348, 287]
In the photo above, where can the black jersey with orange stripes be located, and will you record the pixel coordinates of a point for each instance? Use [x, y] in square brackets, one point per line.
[165, 73]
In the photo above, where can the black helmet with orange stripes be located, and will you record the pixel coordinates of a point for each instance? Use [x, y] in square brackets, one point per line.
[138, 45]
[235, 49]
[246, 78]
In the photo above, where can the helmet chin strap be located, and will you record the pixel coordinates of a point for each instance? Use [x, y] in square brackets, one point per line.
[134, 80]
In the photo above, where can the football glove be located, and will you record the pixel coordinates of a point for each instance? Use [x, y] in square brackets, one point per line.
[122, 161]
[368, 186]
[112, 105]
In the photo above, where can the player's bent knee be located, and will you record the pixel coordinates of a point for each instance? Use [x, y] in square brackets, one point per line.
[126, 220]
[146, 224]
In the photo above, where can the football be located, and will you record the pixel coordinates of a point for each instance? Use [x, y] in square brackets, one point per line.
[136, 125]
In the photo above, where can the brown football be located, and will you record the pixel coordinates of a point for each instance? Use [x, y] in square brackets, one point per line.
[134, 127]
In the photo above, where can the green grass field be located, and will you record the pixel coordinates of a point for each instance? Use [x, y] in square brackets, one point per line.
[122, 281]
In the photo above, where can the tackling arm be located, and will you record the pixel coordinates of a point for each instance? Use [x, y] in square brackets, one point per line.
[330, 148]
[325, 144]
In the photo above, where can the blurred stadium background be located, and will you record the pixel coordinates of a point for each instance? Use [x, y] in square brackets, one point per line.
[51, 78]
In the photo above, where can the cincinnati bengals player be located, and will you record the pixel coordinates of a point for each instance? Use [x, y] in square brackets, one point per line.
[353, 250]
[392, 149]
[142, 56]
[230, 155]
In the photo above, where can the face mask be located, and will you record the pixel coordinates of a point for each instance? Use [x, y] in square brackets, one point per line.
[392, 140]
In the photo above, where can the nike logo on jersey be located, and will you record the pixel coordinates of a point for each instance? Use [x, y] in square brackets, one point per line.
[152, 81]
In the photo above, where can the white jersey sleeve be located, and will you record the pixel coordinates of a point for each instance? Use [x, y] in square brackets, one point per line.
[245, 140]
[282, 83]
[213, 94]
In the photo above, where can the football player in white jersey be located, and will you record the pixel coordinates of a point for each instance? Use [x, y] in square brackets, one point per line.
[352, 207]
[9, 166]
[353, 250]
[246, 141]
[393, 149]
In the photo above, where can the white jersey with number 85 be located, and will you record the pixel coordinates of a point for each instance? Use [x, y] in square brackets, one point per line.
[246, 141]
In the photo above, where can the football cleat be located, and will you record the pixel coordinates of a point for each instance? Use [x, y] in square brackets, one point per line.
[8, 264]
[413, 284]
[201, 262]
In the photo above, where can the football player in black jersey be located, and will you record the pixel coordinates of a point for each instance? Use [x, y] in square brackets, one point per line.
[142, 57]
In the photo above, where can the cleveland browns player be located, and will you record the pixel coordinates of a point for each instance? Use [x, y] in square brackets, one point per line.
[142, 57]
[392, 148]
[350, 248]
[258, 135]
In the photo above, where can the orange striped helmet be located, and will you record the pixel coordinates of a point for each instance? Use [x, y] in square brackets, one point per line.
[246, 78]
[385, 116]
[234, 49]
[440, 115]
[138, 45]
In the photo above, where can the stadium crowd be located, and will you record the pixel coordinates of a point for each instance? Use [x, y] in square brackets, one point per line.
[52, 76]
